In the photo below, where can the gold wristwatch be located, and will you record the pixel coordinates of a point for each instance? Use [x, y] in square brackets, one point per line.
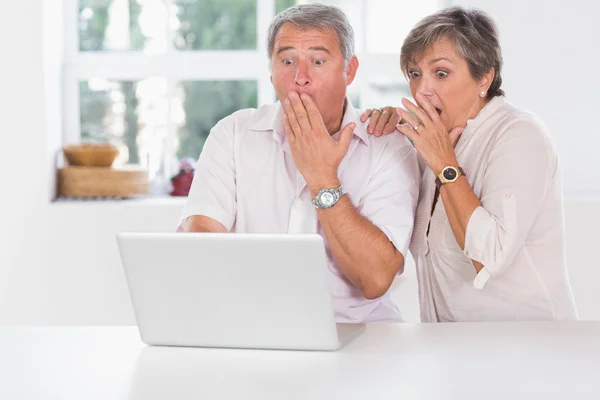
[448, 175]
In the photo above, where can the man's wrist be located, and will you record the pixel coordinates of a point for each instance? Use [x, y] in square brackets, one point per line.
[326, 182]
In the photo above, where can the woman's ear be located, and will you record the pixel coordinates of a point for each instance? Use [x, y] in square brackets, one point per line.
[486, 80]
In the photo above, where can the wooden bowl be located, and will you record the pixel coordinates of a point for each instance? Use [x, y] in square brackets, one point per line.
[91, 155]
[90, 182]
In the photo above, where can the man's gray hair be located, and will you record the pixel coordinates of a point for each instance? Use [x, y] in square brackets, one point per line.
[475, 38]
[315, 16]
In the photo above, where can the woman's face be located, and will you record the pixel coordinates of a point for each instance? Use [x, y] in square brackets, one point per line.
[443, 77]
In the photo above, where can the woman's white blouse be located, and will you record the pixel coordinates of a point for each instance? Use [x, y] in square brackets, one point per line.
[518, 232]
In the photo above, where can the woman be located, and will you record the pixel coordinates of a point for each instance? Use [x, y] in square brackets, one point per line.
[489, 237]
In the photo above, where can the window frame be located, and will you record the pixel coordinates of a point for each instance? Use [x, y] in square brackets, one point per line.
[174, 65]
[377, 73]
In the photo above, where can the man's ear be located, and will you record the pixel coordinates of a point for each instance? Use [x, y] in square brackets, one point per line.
[351, 70]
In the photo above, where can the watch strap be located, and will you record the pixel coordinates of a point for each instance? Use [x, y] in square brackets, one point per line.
[438, 181]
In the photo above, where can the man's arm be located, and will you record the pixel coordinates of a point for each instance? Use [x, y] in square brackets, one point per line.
[368, 247]
[202, 223]
[211, 204]
[362, 251]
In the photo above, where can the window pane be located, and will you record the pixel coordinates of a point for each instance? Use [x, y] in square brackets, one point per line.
[117, 25]
[199, 105]
[281, 5]
[130, 114]
[388, 22]
[214, 24]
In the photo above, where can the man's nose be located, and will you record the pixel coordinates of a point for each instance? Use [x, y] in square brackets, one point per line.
[302, 79]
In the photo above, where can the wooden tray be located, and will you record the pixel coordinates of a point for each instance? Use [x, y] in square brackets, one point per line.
[85, 182]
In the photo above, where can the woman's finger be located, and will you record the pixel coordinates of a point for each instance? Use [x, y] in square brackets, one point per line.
[375, 116]
[408, 132]
[388, 121]
[365, 116]
[426, 105]
[408, 119]
[418, 112]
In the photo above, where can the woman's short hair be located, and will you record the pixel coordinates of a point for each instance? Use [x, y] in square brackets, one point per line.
[475, 37]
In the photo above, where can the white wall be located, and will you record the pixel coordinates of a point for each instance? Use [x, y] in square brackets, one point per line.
[59, 262]
[550, 50]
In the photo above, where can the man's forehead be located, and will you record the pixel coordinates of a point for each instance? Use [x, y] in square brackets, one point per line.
[290, 35]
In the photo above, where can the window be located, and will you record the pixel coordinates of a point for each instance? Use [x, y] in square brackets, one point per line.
[154, 76]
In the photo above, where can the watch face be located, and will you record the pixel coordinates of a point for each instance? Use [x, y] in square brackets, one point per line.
[450, 174]
[327, 199]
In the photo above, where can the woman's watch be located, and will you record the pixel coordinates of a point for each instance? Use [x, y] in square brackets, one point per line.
[327, 198]
[448, 175]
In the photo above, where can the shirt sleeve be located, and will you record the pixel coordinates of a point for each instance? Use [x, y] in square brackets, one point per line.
[392, 193]
[213, 190]
[517, 178]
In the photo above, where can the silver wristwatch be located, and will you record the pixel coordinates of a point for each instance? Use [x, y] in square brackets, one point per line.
[327, 198]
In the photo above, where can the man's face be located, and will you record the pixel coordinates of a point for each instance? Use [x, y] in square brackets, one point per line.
[310, 61]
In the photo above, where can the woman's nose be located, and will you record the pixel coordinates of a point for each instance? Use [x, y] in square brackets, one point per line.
[425, 88]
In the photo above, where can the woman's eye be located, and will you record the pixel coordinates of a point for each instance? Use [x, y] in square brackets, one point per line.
[413, 74]
[442, 74]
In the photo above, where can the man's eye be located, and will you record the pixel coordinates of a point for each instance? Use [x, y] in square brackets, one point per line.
[413, 74]
[318, 63]
[287, 62]
[442, 74]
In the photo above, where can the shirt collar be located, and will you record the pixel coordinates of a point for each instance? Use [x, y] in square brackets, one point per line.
[273, 121]
[487, 110]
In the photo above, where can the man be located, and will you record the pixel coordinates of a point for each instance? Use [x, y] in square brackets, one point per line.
[285, 168]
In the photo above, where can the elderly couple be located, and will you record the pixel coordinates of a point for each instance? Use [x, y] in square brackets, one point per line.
[475, 194]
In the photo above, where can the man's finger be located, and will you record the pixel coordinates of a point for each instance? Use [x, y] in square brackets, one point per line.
[314, 115]
[301, 114]
[288, 129]
[346, 136]
[291, 115]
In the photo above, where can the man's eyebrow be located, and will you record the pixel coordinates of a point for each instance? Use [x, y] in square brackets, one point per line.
[320, 48]
[284, 48]
[315, 48]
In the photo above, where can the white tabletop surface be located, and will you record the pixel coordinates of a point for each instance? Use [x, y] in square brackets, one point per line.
[395, 361]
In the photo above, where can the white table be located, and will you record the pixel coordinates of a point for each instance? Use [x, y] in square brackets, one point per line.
[396, 361]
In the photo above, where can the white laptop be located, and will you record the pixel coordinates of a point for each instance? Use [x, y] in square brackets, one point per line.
[233, 290]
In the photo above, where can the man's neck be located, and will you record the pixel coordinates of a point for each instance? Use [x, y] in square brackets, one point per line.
[334, 125]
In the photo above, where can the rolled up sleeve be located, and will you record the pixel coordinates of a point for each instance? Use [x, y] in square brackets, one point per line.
[516, 182]
[392, 193]
[213, 190]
